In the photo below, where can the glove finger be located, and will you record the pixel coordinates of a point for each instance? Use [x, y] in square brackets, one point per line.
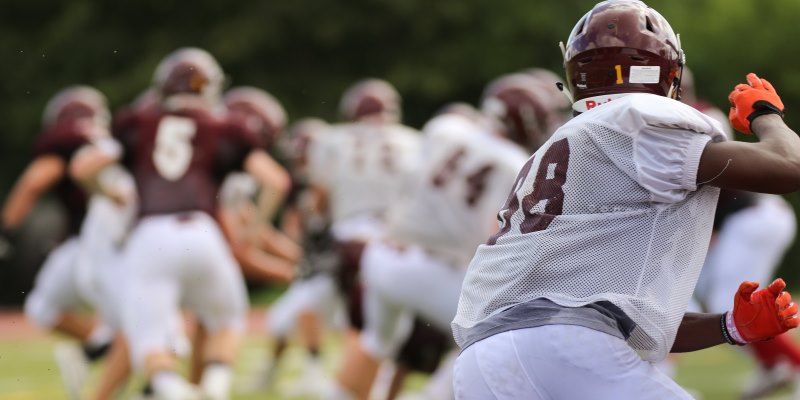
[783, 300]
[776, 287]
[768, 85]
[754, 81]
[746, 289]
[789, 312]
[732, 97]
[791, 323]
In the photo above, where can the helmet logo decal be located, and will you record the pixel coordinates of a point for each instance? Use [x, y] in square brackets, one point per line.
[644, 74]
[618, 69]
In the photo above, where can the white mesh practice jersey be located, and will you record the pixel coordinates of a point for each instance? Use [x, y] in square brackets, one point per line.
[607, 209]
[463, 178]
[364, 166]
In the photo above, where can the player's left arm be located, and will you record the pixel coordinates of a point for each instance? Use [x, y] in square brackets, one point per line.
[757, 315]
[698, 331]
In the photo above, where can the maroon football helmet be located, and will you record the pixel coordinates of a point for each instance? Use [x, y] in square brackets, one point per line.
[301, 133]
[622, 46]
[75, 103]
[519, 106]
[371, 98]
[189, 70]
[262, 112]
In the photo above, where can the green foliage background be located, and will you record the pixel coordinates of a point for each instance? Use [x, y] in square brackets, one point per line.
[307, 51]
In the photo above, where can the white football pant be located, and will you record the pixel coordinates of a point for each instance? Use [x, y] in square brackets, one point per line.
[400, 283]
[318, 293]
[558, 362]
[55, 290]
[173, 261]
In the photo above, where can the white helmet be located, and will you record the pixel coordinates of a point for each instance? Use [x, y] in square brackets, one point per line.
[75, 102]
[189, 70]
[370, 97]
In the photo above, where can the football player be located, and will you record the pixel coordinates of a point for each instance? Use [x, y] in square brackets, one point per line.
[360, 168]
[176, 254]
[464, 171]
[313, 297]
[73, 119]
[264, 253]
[607, 227]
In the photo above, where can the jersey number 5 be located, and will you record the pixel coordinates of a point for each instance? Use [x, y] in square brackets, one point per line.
[548, 187]
[173, 150]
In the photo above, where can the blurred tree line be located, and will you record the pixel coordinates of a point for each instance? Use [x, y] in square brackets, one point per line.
[306, 52]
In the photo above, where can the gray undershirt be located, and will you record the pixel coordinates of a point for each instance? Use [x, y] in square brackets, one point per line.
[602, 316]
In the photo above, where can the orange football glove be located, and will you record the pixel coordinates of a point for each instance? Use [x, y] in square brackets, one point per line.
[751, 101]
[763, 314]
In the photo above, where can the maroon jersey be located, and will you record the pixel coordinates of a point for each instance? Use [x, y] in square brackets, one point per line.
[178, 158]
[63, 140]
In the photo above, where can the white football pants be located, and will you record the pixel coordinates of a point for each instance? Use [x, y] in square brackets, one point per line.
[56, 288]
[173, 261]
[558, 362]
[400, 283]
[317, 293]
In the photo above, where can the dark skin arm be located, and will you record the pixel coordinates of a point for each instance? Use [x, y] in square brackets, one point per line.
[772, 165]
[698, 331]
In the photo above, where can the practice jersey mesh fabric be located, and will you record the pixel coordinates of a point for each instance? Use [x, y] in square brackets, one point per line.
[364, 166]
[463, 177]
[608, 209]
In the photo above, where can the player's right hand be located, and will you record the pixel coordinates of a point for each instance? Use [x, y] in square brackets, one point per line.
[752, 100]
[763, 314]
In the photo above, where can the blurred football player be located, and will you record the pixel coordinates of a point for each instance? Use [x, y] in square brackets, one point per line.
[264, 253]
[607, 227]
[313, 298]
[465, 170]
[177, 255]
[360, 168]
[73, 119]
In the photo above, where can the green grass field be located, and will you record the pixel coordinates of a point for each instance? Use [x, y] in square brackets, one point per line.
[28, 372]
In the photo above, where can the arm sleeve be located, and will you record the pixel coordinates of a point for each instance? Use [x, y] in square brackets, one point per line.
[666, 161]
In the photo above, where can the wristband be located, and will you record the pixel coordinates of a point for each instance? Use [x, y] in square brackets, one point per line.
[729, 330]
